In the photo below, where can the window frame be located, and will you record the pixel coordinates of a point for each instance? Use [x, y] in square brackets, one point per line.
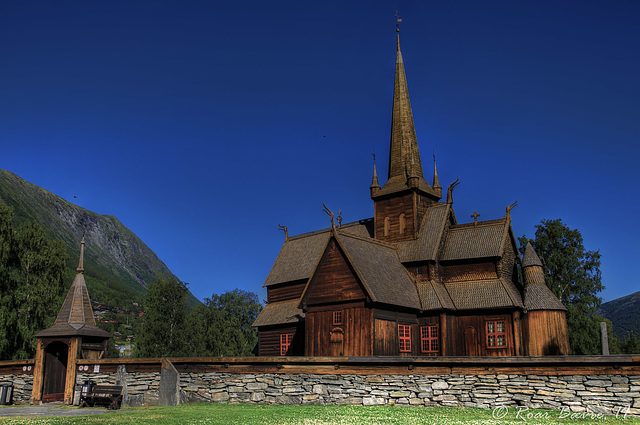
[404, 338]
[427, 339]
[495, 334]
[338, 317]
[285, 343]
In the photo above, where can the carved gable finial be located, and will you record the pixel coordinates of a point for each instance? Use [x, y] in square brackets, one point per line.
[286, 232]
[507, 215]
[328, 211]
[450, 190]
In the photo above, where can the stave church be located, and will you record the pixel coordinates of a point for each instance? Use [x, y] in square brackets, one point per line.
[411, 280]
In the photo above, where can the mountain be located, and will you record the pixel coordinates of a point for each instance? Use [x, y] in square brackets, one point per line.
[624, 313]
[118, 265]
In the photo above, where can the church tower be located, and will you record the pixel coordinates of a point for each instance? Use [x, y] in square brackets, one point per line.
[400, 204]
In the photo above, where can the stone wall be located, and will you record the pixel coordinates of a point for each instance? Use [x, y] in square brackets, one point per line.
[139, 389]
[597, 384]
[22, 385]
[606, 394]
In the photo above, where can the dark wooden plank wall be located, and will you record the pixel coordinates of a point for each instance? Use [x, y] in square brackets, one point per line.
[352, 338]
[547, 333]
[392, 208]
[287, 291]
[463, 328]
[334, 280]
[469, 271]
[269, 340]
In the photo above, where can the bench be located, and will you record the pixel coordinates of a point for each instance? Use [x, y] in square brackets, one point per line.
[109, 395]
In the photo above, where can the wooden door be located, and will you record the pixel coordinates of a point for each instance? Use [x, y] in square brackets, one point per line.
[337, 342]
[471, 341]
[55, 371]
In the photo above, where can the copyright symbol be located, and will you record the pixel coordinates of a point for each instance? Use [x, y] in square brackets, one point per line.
[500, 412]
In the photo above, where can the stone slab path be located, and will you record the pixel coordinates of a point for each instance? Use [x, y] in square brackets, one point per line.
[46, 410]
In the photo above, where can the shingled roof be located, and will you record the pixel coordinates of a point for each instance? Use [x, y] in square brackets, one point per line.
[380, 270]
[466, 242]
[282, 312]
[494, 293]
[425, 247]
[76, 315]
[404, 156]
[300, 254]
[537, 295]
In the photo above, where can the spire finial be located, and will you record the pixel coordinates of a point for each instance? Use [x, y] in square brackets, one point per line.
[80, 268]
[398, 20]
[436, 182]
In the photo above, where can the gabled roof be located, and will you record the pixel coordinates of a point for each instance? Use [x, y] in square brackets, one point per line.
[466, 241]
[434, 296]
[425, 247]
[279, 313]
[299, 255]
[380, 270]
[494, 293]
[76, 315]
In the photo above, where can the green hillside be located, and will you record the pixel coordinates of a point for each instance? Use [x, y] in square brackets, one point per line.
[118, 265]
[624, 313]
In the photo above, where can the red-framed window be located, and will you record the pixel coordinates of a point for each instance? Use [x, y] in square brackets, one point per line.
[429, 339]
[337, 318]
[496, 336]
[285, 343]
[404, 337]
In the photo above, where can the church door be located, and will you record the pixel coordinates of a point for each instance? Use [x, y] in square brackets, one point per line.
[337, 342]
[55, 371]
[471, 341]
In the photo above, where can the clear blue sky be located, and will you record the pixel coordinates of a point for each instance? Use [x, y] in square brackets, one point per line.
[203, 125]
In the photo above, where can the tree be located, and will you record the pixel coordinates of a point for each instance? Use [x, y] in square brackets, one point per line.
[573, 275]
[222, 326]
[32, 271]
[163, 330]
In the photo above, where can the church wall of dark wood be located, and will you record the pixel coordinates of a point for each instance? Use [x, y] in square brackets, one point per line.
[334, 280]
[547, 333]
[288, 291]
[351, 335]
[269, 340]
[392, 209]
[469, 335]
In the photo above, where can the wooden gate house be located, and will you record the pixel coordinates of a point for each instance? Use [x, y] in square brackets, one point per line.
[73, 336]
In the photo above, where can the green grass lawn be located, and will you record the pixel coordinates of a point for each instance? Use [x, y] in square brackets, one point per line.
[229, 414]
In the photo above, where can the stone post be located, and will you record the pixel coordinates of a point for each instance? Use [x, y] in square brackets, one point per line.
[169, 391]
[604, 338]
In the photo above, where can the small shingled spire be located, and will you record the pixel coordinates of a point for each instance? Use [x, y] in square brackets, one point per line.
[530, 257]
[374, 180]
[80, 268]
[436, 182]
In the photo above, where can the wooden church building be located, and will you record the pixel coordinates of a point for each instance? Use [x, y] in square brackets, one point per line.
[411, 280]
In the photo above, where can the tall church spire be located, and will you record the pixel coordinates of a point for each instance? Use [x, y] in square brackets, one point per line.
[405, 166]
[404, 144]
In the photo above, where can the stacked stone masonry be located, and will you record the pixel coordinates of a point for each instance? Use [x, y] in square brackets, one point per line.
[607, 394]
[22, 385]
